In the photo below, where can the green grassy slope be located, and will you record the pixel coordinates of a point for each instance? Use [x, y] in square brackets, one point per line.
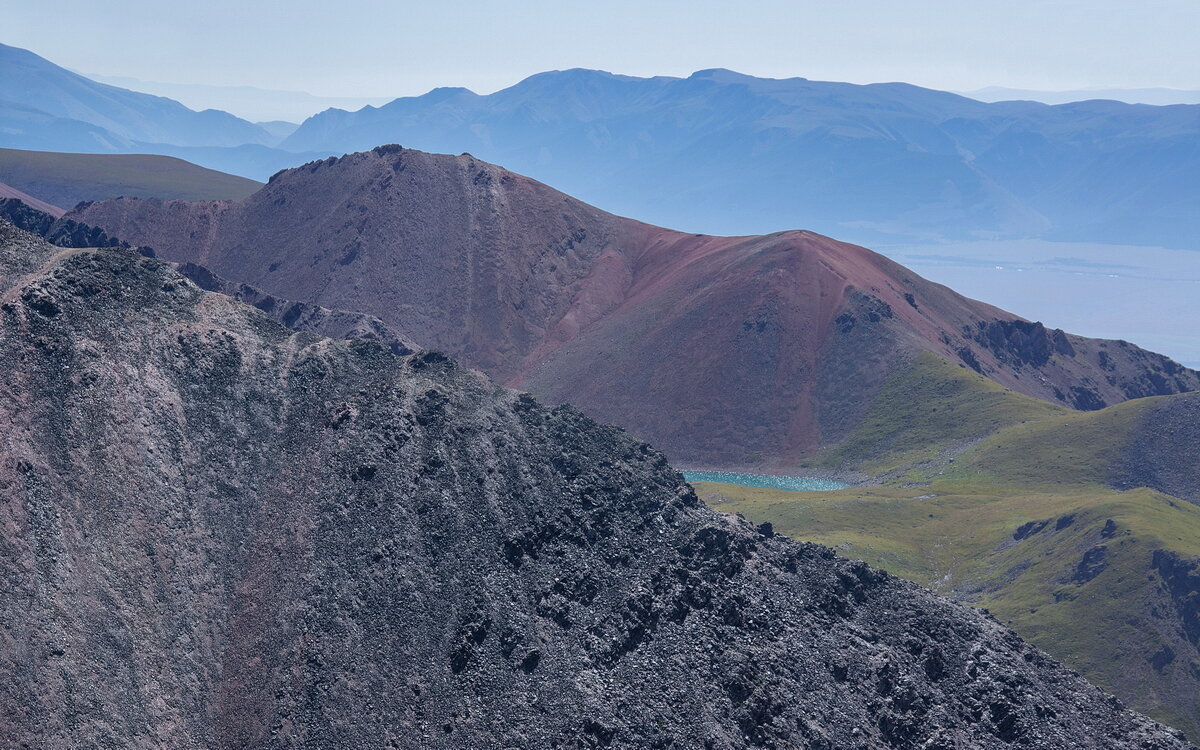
[1001, 501]
[961, 540]
[1158, 434]
[66, 179]
[932, 407]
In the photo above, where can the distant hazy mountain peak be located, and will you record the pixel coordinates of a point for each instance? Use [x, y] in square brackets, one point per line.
[725, 75]
[33, 81]
[448, 92]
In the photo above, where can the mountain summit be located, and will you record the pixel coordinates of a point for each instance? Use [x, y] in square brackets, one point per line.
[720, 350]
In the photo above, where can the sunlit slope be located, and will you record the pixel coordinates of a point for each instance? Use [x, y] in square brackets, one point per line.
[1151, 442]
[939, 420]
[929, 410]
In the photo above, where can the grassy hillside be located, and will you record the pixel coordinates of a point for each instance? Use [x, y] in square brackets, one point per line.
[1028, 522]
[933, 408]
[66, 179]
[1147, 442]
[1120, 628]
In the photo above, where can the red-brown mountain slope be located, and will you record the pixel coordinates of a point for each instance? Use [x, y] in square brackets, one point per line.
[721, 350]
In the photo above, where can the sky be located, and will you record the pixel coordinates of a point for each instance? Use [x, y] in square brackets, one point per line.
[373, 49]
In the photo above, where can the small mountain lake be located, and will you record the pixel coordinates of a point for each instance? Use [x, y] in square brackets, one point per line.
[799, 484]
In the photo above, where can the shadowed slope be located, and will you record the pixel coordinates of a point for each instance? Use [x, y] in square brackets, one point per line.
[722, 350]
[308, 542]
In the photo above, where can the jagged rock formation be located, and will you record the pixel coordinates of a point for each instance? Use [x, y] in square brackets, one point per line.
[301, 316]
[215, 532]
[298, 316]
[8, 192]
[55, 229]
[721, 350]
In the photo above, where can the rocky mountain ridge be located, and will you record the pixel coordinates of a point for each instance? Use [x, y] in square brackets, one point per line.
[313, 542]
[298, 316]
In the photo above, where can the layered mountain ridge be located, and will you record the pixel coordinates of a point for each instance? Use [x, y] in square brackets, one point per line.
[67, 179]
[720, 350]
[45, 107]
[723, 152]
[314, 542]
[35, 83]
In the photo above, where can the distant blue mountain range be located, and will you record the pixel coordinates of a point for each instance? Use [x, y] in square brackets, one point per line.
[716, 152]
[44, 107]
[728, 153]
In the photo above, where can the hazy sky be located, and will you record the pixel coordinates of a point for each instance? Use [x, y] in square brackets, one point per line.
[355, 48]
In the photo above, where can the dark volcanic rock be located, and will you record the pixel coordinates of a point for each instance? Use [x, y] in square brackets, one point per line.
[1021, 341]
[1181, 578]
[215, 532]
[1092, 564]
[720, 350]
[301, 316]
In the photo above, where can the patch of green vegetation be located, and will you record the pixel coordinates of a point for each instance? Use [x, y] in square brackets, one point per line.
[1002, 501]
[66, 179]
[1024, 554]
[927, 408]
[1075, 448]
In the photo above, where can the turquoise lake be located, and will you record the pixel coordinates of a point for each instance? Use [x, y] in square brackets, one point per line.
[802, 484]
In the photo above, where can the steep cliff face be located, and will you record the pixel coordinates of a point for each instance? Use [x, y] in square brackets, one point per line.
[215, 532]
[720, 350]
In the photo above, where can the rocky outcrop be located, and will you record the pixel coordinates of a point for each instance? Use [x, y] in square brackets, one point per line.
[721, 350]
[216, 532]
[301, 316]
[1020, 341]
[56, 230]
[298, 316]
